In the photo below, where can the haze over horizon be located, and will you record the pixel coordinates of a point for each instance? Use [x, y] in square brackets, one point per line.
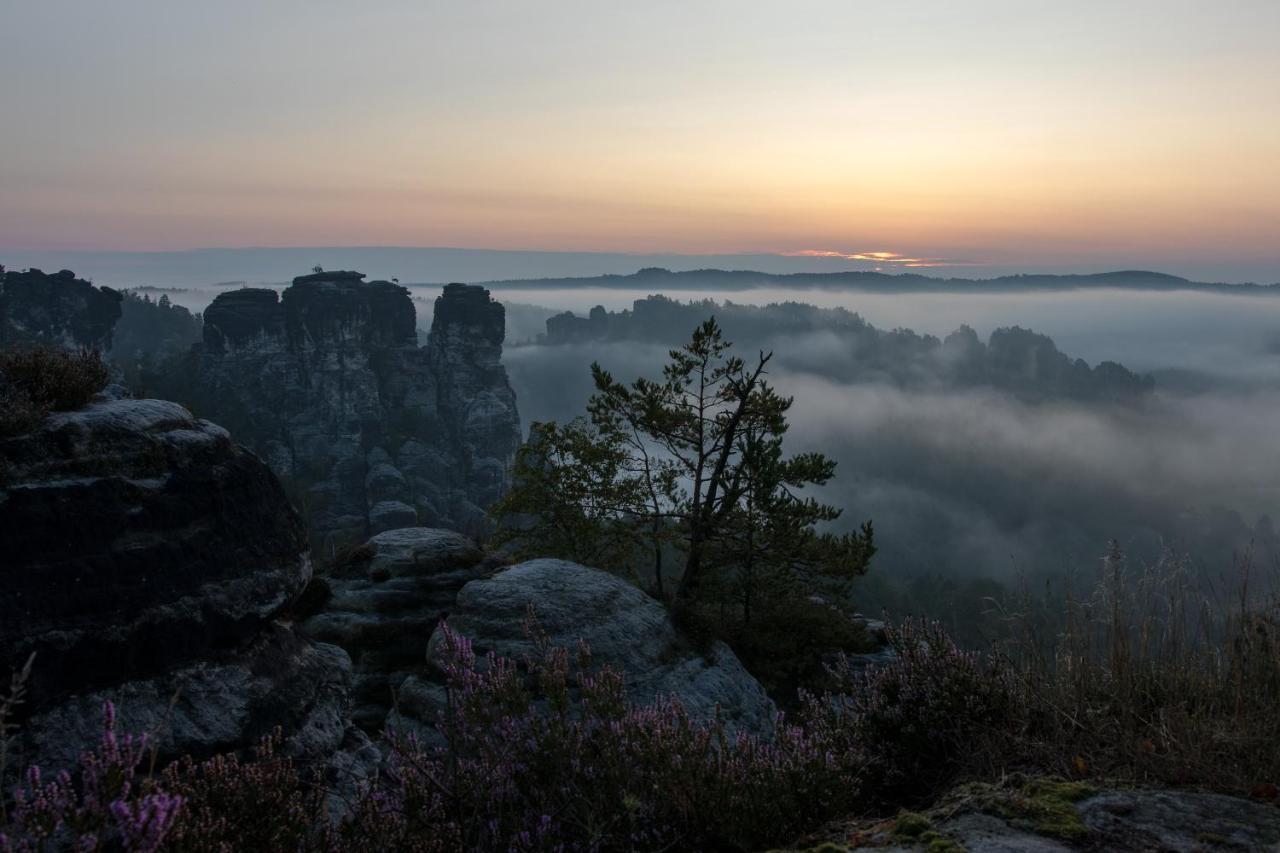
[969, 140]
[433, 265]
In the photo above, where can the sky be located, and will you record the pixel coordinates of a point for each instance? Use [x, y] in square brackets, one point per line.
[931, 136]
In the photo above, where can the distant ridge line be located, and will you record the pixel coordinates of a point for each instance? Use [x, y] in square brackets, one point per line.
[870, 281]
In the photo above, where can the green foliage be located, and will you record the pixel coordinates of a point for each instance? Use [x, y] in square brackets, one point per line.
[708, 438]
[573, 498]
[917, 829]
[37, 380]
[695, 461]
[148, 333]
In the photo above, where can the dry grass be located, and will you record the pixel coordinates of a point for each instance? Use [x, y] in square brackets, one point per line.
[1153, 676]
[37, 380]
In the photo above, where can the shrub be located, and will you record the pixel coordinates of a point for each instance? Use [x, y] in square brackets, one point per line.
[547, 753]
[108, 802]
[578, 768]
[544, 755]
[37, 380]
[919, 717]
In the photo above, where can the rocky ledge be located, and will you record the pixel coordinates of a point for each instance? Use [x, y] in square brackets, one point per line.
[387, 601]
[1046, 815]
[147, 561]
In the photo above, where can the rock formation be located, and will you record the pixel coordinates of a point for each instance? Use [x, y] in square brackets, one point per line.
[387, 602]
[624, 628]
[57, 309]
[147, 559]
[382, 603]
[370, 431]
[1014, 360]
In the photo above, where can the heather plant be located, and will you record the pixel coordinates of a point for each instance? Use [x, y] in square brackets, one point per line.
[108, 803]
[37, 380]
[116, 801]
[264, 802]
[917, 718]
[546, 753]
[550, 755]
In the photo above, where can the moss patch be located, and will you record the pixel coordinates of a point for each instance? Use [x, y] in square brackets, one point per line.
[1047, 806]
[914, 828]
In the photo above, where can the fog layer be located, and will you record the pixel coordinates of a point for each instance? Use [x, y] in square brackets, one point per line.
[974, 481]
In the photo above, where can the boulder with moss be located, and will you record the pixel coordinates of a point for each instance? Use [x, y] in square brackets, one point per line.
[1047, 815]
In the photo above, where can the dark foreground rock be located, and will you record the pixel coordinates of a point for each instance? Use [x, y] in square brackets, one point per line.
[147, 560]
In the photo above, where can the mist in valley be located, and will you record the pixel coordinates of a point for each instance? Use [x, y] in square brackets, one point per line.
[968, 480]
[979, 482]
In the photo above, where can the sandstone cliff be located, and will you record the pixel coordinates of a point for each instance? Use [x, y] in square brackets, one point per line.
[368, 430]
[147, 560]
[57, 309]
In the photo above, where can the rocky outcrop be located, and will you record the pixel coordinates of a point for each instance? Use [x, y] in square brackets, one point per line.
[386, 604]
[624, 628]
[1053, 816]
[147, 560]
[56, 309]
[372, 432]
[384, 601]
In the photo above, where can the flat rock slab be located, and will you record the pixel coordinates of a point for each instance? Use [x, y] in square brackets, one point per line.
[995, 819]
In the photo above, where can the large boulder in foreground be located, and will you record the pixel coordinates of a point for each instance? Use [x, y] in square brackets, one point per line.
[146, 554]
[137, 537]
[624, 628]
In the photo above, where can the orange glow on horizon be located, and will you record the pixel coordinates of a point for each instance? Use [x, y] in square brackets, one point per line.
[876, 257]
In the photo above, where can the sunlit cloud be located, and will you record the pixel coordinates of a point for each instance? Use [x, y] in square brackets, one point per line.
[874, 257]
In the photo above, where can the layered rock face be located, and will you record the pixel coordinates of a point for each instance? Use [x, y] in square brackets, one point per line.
[385, 610]
[146, 560]
[373, 432]
[384, 602]
[56, 309]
